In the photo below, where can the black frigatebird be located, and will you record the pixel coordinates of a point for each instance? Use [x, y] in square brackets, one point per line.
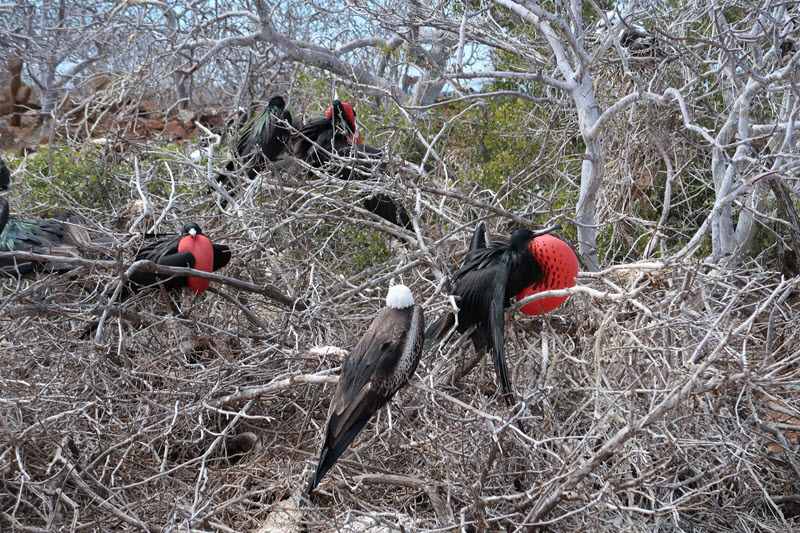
[49, 237]
[336, 135]
[261, 141]
[492, 274]
[380, 365]
[189, 249]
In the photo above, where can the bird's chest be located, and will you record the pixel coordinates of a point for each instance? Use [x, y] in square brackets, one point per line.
[200, 247]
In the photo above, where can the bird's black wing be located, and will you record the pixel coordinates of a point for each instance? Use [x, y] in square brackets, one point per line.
[164, 253]
[222, 256]
[478, 238]
[314, 134]
[483, 294]
[388, 209]
[480, 258]
[156, 250]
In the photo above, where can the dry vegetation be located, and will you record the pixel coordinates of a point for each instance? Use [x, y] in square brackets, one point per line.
[661, 397]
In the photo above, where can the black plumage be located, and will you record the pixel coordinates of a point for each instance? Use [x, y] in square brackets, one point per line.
[334, 143]
[317, 140]
[640, 43]
[381, 364]
[166, 253]
[490, 277]
[48, 237]
[263, 139]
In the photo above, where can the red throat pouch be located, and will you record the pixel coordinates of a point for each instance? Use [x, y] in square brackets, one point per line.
[559, 265]
[203, 253]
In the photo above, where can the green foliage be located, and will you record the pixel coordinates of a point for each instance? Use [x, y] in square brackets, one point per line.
[81, 174]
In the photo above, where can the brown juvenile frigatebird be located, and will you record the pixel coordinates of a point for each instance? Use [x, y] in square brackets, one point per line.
[190, 249]
[336, 135]
[493, 274]
[380, 365]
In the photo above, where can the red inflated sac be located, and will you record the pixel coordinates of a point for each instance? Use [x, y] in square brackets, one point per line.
[203, 253]
[560, 267]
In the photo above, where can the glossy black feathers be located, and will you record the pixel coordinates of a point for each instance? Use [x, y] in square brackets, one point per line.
[325, 136]
[49, 237]
[263, 139]
[491, 275]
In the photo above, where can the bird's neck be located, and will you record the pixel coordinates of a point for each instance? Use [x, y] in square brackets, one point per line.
[523, 270]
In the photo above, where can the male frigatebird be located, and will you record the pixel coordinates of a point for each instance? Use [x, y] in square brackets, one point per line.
[49, 237]
[329, 134]
[491, 276]
[263, 139]
[189, 249]
[337, 135]
[380, 365]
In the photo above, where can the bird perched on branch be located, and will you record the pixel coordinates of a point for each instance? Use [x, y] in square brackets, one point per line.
[61, 237]
[329, 134]
[380, 365]
[335, 142]
[491, 276]
[190, 249]
[263, 139]
[640, 43]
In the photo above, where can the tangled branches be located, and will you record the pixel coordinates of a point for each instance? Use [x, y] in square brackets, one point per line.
[662, 396]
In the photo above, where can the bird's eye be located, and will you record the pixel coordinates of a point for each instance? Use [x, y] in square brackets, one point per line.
[386, 346]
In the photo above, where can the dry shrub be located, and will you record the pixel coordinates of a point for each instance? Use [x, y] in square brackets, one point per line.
[666, 399]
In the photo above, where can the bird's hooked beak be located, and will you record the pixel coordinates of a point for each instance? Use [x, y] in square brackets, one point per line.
[193, 233]
[545, 231]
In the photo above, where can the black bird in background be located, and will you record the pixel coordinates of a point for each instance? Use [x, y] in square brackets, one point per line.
[262, 140]
[190, 249]
[380, 365]
[491, 276]
[5, 176]
[61, 235]
[337, 135]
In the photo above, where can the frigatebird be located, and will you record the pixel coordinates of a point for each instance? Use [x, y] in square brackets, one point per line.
[190, 249]
[325, 136]
[263, 139]
[380, 365]
[336, 135]
[49, 237]
[491, 275]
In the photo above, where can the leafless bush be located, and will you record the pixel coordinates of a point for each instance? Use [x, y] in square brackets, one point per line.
[662, 396]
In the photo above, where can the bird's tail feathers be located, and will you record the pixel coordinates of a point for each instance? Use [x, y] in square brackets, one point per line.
[329, 456]
[502, 376]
